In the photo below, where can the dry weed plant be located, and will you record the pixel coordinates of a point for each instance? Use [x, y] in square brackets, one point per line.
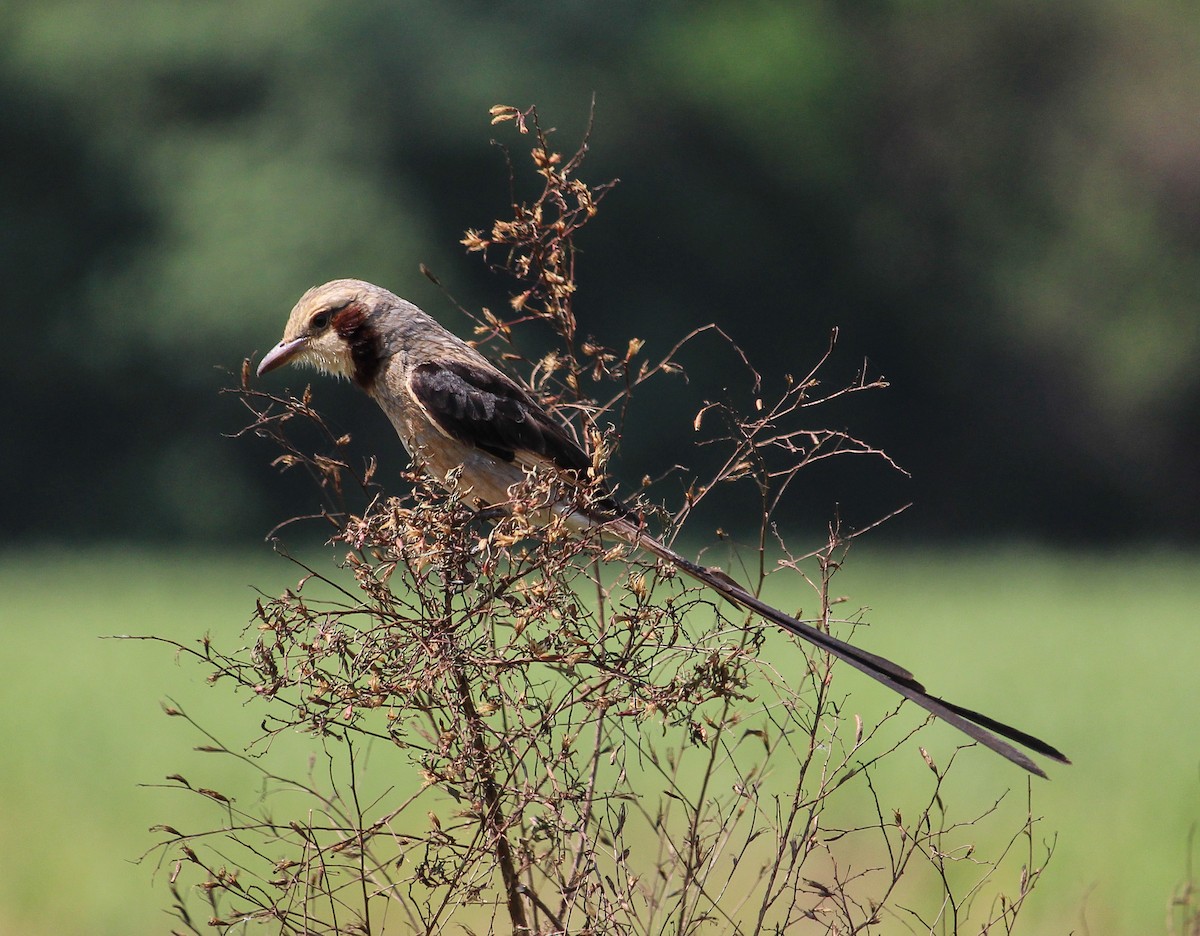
[520, 729]
[1183, 911]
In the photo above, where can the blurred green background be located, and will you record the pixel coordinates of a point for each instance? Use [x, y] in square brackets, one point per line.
[997, 203]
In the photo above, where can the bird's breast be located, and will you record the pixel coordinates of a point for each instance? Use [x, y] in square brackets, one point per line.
[482, 479]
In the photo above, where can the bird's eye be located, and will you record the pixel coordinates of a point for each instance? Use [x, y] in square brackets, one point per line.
[319, 321]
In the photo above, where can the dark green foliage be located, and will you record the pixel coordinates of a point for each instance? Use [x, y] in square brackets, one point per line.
[994, 201]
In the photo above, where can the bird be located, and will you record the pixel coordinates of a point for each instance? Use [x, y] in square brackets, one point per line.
[471, 427]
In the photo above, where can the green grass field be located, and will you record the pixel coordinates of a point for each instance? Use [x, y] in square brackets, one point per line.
[1098, 654]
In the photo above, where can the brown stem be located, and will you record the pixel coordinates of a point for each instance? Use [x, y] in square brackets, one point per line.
[492, 820]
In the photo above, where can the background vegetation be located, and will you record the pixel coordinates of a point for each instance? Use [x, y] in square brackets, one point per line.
[82, 728]
[997, 202]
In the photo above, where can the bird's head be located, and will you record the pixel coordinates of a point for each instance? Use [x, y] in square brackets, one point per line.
[341, 328]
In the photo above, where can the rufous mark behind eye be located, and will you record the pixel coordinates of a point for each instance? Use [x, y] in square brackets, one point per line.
[321, 320]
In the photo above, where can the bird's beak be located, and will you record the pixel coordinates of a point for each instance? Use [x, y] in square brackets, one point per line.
[281, 354]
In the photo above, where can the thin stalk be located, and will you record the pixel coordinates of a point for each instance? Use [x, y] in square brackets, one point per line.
[492, 820]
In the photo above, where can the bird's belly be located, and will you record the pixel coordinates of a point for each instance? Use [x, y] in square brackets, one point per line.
[480, 478]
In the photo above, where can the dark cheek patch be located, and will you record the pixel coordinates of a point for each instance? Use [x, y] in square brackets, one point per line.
[353, 326]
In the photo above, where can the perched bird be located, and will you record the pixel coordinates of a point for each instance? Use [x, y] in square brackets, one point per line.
[454, 410]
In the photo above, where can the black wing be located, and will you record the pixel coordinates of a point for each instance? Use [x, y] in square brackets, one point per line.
[482, 407]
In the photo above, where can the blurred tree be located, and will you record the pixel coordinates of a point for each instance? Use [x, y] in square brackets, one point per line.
[997, 203]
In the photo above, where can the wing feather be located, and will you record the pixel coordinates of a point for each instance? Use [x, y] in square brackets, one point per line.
[480, 406]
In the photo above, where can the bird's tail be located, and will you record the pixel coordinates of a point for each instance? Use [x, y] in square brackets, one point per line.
[975, 725]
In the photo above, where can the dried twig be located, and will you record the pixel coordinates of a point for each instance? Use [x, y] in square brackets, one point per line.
[590, 745]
